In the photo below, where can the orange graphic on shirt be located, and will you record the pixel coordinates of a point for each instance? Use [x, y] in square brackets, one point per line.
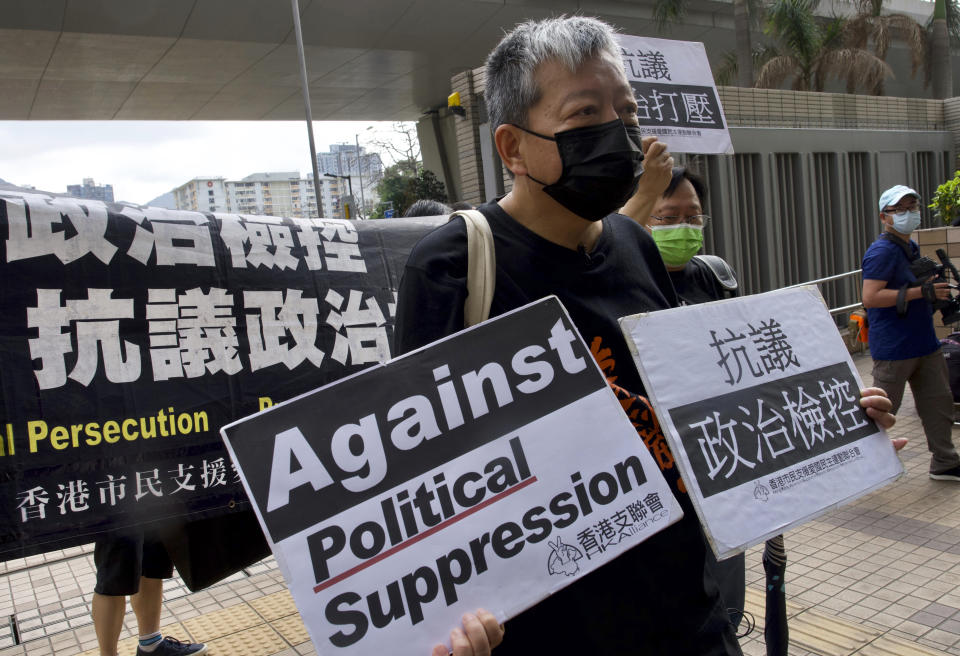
[603, 358]
[638, 410]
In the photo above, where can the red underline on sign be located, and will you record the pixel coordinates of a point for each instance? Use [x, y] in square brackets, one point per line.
[420, 536]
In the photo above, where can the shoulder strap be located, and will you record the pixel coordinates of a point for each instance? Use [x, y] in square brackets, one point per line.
[904, 246]
[722, 271]
[481, 267]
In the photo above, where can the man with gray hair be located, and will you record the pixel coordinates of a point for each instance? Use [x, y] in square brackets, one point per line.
[566, 128]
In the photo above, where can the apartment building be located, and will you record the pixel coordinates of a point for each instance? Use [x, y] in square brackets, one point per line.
[202, 195]
[279, 193]
[91, 191]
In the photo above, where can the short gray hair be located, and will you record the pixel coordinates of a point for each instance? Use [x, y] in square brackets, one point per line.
[511, 89]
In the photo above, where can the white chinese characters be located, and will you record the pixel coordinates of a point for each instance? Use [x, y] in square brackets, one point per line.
[194, 333]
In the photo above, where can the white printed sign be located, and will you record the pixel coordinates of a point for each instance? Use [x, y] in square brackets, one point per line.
[762, 412]
[489, 469]
[676, 96]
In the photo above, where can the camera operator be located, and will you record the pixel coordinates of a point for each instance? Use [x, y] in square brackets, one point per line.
[903, 343]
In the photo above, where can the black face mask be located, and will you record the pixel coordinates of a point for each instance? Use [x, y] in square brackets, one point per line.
[601, 167]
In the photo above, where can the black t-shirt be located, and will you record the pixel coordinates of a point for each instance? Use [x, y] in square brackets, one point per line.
[654, 599]
[695, 283]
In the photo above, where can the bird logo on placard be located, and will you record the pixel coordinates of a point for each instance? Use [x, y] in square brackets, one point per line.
[760, 492]
[563, 558]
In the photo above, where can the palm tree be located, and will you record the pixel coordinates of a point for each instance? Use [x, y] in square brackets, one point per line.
[952, 8]
[728, 70]
[668, 11]
[940, 55]
[673, 11]
[741, 25]
[870, 25]
[812, 52]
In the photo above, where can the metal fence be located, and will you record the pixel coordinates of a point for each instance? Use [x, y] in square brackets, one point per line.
[786, 217]
[843, 310]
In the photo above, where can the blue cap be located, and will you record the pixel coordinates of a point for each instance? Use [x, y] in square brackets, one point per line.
[893, 195]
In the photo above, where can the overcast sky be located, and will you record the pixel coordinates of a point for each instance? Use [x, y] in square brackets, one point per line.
[144, 159]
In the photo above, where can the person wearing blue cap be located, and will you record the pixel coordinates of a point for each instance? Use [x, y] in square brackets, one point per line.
[903, 343]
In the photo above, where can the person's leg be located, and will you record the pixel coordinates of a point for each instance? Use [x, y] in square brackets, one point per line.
[117, 559]
[931, 392]
[891, 376]
[147, 604]
[108, 614]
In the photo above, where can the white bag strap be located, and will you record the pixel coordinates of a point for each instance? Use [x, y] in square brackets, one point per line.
[481, 267]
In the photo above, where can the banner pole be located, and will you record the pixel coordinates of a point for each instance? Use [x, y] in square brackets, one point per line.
[295, 6]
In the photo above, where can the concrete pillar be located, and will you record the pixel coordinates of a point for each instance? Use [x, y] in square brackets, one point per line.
[437, 132]
[472, 185]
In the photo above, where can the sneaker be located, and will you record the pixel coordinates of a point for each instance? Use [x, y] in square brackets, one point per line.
[173, 647]
[952, 474]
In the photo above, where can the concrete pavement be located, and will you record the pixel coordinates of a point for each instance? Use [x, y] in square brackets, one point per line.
[878, 577]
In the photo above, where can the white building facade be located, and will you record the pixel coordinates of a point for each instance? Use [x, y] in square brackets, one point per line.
[202, 195]
[281, 193]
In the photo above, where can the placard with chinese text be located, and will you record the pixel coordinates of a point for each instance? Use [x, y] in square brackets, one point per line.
[759, 400]
[676, 96]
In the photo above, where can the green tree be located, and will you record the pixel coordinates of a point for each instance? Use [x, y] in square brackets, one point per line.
[403, 184]
[744, 14]
[946, 201]
[871, 26]
[812, 51]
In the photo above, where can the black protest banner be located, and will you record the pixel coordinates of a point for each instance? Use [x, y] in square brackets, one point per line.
[129, 335]
[488, 469]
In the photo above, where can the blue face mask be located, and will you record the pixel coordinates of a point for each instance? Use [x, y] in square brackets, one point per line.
[905, 222]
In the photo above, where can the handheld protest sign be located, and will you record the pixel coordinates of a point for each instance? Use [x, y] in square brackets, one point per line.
[676, 95]
[759, 400]
[488, 469]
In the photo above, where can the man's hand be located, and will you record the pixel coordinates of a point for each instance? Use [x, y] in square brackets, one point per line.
[878, 407]
[936, 291]
[657, 167]
[877, 295]
[657, 172]
[481, 633]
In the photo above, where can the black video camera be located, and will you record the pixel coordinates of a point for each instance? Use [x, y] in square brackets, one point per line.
[926, 270]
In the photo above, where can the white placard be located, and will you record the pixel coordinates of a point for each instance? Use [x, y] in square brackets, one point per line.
[676, 96]
[489, 469]
[759, 400]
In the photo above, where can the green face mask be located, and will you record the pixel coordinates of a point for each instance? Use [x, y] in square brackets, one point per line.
[677, 243]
